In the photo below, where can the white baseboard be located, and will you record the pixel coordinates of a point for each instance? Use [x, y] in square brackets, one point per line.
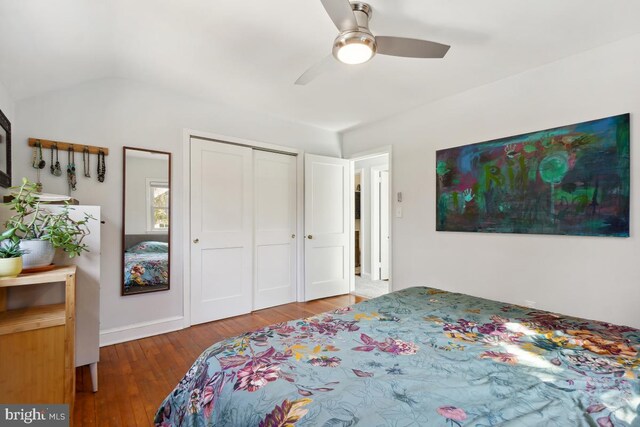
[365, 275]
[140, 330]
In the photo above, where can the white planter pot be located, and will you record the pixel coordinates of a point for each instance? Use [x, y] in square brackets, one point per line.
[38, 253]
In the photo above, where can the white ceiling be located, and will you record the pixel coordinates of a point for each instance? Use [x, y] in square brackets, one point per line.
[248, 53]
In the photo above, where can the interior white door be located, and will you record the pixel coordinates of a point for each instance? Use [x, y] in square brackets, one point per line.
[384, 225]
[221, 230]
[327, 226]
[379, 223]
[375, 224]
[275, 228]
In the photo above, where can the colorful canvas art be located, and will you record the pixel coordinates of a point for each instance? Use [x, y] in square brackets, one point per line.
[571, 180]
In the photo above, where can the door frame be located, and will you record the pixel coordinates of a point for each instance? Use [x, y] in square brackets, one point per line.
[187, 134]
[386, 149]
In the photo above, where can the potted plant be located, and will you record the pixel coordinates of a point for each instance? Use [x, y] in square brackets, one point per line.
[10, 259]
[40, 230]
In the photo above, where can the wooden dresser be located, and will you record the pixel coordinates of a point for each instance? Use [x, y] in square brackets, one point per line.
[37, 343]
[87, 289]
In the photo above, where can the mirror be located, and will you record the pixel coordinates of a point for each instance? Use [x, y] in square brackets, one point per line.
[146, 217]
[5, 151]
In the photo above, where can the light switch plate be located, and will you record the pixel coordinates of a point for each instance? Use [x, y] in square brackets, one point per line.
[399, 212]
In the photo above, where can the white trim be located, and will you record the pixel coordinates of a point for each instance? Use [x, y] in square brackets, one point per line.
[375, 152]
[186, 228]
[187, 134]
[300, 228]
[140, 330]
[240, 141]
[352, 233]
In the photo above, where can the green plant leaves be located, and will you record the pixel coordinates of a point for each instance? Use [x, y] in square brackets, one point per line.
[34, 221]
[11, 250]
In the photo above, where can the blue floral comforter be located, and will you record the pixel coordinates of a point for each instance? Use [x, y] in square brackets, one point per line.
[420, 356]
[146, 269]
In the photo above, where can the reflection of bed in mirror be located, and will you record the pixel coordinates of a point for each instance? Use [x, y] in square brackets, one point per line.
[146, 263]
[146, 213]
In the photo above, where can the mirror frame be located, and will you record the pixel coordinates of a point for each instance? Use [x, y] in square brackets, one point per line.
[5, 176]
[124, 210]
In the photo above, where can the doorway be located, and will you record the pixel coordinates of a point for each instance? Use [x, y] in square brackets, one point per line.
[371, 235]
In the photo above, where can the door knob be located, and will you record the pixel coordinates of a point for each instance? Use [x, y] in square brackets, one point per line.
[196, 240]
[309, 237]
[293, 236]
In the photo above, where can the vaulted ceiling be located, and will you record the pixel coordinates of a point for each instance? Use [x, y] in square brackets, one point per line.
[248, 53]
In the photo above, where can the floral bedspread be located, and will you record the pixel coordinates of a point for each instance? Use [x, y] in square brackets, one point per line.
[145, 269]
[419, 356]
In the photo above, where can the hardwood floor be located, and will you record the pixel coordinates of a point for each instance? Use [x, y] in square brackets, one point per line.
[134, 377]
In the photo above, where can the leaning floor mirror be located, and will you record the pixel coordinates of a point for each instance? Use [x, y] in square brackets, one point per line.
[146, 228]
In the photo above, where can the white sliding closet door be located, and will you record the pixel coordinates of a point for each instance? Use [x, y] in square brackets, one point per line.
[275, 228]
[327, 226]
[221, 230]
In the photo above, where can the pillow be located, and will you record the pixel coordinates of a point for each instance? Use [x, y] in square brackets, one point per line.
[149, 248]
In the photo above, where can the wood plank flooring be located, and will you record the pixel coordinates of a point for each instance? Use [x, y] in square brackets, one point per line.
[134, 377]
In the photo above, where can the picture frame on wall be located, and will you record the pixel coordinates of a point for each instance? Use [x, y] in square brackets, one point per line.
[570, 180]
[5, 151]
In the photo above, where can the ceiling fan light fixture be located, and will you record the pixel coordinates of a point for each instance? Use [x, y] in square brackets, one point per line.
[354, 47]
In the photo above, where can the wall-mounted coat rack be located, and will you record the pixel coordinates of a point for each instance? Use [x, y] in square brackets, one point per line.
[64, 146]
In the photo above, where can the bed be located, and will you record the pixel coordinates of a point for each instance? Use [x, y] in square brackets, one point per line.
[420, 356]
[146, 264]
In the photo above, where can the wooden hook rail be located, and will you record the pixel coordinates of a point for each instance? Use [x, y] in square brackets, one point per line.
[64, 146]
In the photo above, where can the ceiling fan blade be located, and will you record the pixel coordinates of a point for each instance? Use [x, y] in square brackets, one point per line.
[341, 14]
[410, 48]
[326, 64]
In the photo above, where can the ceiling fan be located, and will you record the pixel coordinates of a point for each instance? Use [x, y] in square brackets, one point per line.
[356, 45]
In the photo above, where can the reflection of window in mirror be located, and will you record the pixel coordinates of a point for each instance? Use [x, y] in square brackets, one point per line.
[157, 205]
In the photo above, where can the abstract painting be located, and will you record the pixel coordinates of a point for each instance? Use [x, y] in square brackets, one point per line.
[570, 180]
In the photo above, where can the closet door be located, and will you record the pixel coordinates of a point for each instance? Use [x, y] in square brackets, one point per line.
[275, 228]
[221, 230]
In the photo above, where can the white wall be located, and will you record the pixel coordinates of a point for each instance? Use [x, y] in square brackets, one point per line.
[6, 104]
[365, 206]
[113, 113]
[138, 171]
[585, 276]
